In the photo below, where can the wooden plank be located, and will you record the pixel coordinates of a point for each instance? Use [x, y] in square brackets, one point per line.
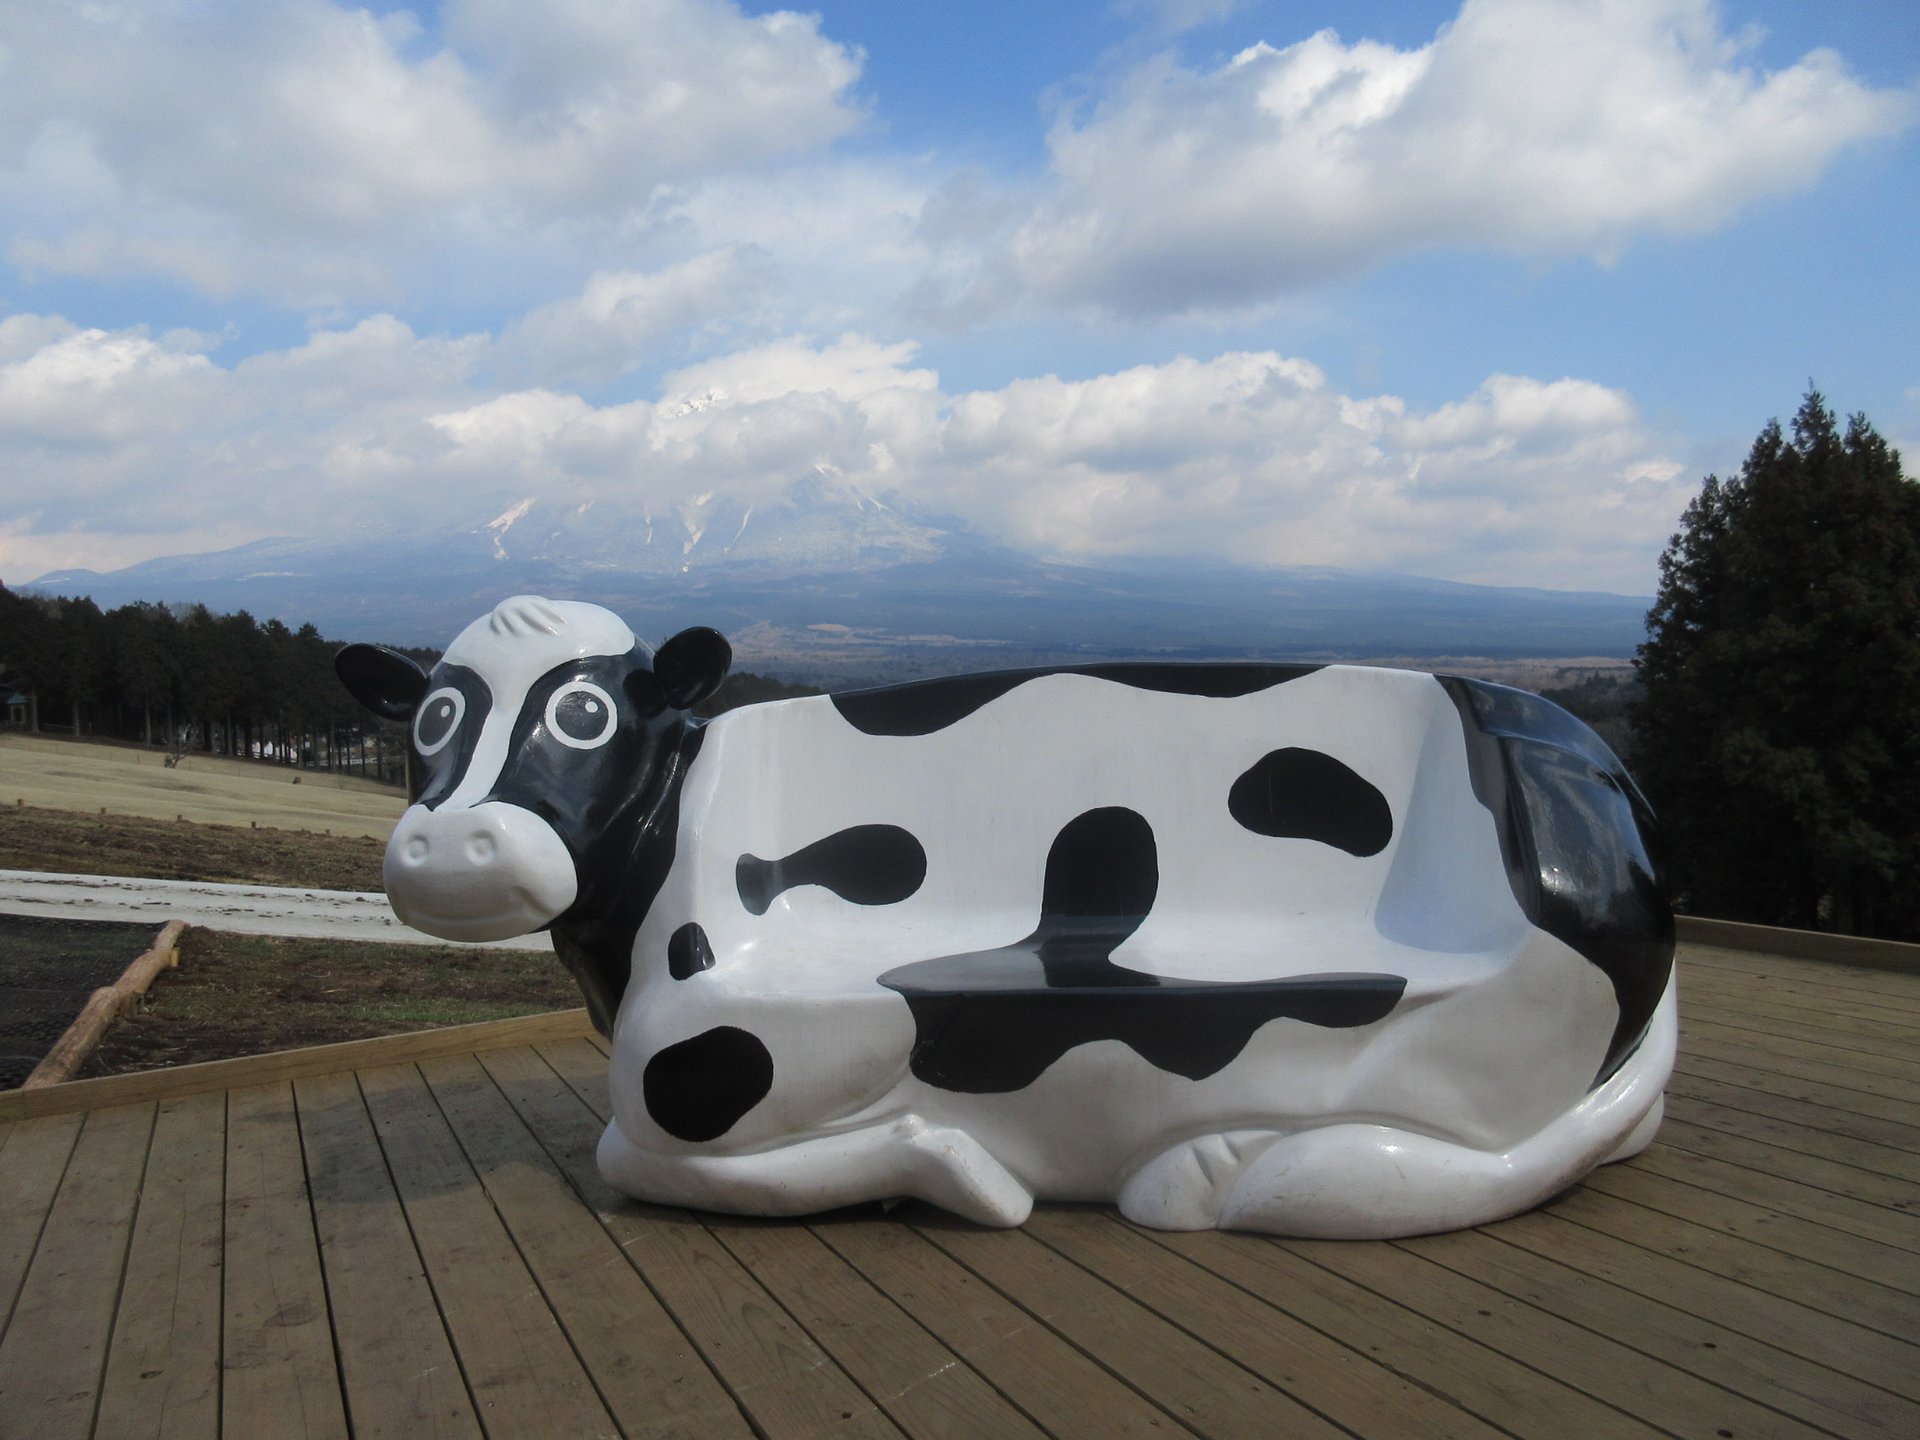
[1865, 1186]
[1765, 964]
[396, 1361]
[1730, 1215]
[521, 1371]
[648, 1374]
[1824, 1119]
[36, 1160]
[1778, 1191]
[1712, 1352]
[55, 1347]
[1066, 1393]
[1600, 1365]
[1519, 1399]
[1344, 1385]
[1809, 1004]
[1753, 1052]
[928, 1390]
[163, 1373]
[1873, 1073]
[1800, 949]
[278, 1370]
[1807, 989]
[1878, 1035]
[1876, 1307]
[178, 1080]
[1192, 1381]
[1851, 1053]
[1891, 1362]
[1792, 1087]
[784, 1382]
[1801, 1139]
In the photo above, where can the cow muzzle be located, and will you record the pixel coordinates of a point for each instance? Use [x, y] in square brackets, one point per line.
[484, 872]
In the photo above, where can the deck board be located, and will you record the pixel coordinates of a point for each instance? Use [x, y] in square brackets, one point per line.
[56, 1345]
[279, 1372]
[393, 1240]
[163, 1372]
[397, 1363]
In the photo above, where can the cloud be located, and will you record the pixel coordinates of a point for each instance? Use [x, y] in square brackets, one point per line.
[601, 333]
[1537, 127]
[1251, 455]
[307, 150]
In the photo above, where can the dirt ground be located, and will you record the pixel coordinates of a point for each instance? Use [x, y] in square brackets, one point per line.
[244, 994]
[248, 994]
[71, 843]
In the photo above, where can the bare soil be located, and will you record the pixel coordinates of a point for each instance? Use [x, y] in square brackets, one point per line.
[71, 843]
[249, 994]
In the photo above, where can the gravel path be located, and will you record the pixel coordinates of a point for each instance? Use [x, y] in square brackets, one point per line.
[249, 909]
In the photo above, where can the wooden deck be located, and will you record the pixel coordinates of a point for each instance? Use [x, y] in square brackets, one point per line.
[383, 1242]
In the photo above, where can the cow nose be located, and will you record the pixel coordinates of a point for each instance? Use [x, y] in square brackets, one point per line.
[484, 872]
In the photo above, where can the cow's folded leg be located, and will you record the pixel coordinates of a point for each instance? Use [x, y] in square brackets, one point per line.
[904, 1158]
[1183, 1188]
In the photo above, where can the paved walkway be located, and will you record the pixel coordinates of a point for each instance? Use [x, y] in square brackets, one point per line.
[249, 909]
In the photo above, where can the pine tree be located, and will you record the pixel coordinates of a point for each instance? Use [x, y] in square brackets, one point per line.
[1780, 733]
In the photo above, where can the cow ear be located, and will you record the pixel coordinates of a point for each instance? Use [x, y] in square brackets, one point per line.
[383, 680]
[691, 666]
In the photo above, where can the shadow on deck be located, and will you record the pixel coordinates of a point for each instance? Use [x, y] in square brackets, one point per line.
[408, 1237]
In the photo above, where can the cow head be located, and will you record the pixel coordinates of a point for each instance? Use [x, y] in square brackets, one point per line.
[544, 737]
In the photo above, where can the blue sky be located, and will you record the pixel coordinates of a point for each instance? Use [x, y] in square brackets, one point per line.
[1475, 291]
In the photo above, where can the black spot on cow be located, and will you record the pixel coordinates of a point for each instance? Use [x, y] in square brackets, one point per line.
[924, 706]
[868, 865]
[698, 1089]
[688, 952]
[992, 1021]
[1579, 842]
[1308, 795]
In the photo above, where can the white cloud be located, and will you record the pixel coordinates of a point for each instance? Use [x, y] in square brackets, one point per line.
[1250, 455]
[1539, 127]
[602, 333]
[307, 150]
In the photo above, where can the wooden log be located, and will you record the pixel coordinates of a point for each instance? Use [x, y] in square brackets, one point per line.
[103, 1007]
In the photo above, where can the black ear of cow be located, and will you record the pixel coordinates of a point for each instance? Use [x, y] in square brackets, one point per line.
[691, 665]
[383, 680]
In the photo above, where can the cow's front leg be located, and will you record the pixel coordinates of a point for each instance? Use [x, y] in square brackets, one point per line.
[900, 1159]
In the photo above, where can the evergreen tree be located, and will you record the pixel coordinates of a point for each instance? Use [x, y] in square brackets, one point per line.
[1779, 736]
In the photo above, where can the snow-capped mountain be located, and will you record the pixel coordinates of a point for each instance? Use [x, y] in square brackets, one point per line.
[823, 565]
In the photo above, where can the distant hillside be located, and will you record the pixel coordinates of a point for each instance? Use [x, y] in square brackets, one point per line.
[831, 582]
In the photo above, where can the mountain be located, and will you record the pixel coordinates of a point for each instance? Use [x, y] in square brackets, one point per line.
[826, 580]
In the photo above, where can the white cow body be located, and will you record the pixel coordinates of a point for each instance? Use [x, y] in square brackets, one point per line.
[1346, 952]
[1497, 1040]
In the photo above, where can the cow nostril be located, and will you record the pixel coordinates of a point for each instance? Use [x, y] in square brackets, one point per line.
[417, 850]
[480, 849]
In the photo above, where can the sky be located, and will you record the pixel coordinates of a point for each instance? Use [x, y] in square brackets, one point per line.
[1474, 291]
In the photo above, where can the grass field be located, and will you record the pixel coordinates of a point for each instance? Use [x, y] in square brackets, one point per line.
[129, 780]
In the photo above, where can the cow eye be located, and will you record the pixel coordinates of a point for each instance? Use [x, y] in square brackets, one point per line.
[437, 718]
[581, 715]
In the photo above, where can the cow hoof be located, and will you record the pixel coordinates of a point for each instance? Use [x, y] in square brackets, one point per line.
[1183, 1188]
[958, 1174]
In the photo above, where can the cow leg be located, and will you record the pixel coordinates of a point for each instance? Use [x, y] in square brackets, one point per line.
[1360, 1181]
[1184, 1188]
[902, 1158]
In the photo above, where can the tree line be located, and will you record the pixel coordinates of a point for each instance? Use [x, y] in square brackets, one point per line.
[1778, 732]
[186, 679]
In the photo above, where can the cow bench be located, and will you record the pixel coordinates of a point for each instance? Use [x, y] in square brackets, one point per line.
[1318, 950]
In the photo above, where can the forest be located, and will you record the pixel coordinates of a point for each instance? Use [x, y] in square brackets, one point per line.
[186, 679]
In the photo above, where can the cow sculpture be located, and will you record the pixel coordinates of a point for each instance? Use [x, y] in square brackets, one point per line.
[1325, 951]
